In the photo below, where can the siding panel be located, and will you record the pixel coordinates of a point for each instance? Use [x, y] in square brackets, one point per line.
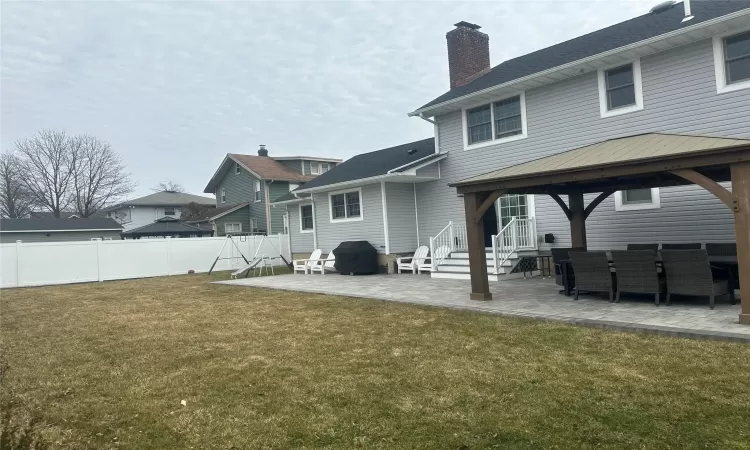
[369, 229]
[301, 242]
[680, 96]
[402, 221]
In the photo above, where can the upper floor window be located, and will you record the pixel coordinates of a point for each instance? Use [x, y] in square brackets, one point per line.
[236, 168]
[306, 221]
[620, 89]
[314, 168]
[324, 167]
[633, 199]
[345, 205]
[732, 61]
[496, 122]
[169, 211]
[256, 190]
[233, 228]
[223, 195]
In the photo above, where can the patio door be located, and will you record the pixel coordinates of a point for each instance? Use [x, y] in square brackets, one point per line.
[517, 206]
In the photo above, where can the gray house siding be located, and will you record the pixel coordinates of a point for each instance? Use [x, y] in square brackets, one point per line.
[63, 236]
[276, 190]
[433, 170]
[301, 242]
[370, 228]
[402, 221]
[242, 216]
[679, 92]
[239, 190]
[295, 164]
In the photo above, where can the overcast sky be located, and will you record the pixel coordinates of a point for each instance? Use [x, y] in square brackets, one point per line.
[174, 86]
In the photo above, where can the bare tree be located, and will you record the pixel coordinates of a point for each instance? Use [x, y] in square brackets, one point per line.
[168, 186]
[195, 211]
[49, 169]
[15, 200]
[99, 175]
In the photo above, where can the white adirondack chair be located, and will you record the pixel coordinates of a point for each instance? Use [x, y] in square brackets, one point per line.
[306, 265]
[326, 265]
[440, 254]
[410, 263]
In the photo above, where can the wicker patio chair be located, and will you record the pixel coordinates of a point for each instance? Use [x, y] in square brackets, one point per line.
[689, 273]
[636, 273]
[691, 246]
[652, 247]
[561, 254]
[592, 273]
[722, 249]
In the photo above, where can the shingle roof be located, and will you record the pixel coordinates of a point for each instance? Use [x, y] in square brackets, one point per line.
[163, 226]
[372, 164]
[21, 225]
[268, 168]
[637, 148]
[218, 211]
[167, 199]
[610, 38]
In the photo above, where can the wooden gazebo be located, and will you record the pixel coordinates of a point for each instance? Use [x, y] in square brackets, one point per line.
[634, 162]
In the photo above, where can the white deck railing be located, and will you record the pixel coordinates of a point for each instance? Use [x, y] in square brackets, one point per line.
[444, 238]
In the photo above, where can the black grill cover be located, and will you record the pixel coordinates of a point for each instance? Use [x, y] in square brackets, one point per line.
[356, 257]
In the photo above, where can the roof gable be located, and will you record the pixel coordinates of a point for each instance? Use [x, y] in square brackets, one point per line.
[607, 39]
[167, 199]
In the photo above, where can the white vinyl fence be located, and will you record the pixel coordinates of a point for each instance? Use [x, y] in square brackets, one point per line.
[36, 264]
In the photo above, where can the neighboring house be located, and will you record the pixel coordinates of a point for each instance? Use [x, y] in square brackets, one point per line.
[146, 210]
[58, 230]
[245, 185]
[167, 227]
[49, 215]
[657, 73]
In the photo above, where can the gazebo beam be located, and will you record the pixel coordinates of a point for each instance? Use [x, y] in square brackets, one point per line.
[577, 220]
[741, 190]
[480, 287]
[489, 201]
[595, 202]
[710, 185]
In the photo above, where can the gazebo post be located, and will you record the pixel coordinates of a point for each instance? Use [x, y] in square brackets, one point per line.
[741, 190]
[480, 287]
[577, 220]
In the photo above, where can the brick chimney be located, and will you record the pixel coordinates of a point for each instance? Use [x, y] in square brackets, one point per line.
[262, 150]
[468, 53]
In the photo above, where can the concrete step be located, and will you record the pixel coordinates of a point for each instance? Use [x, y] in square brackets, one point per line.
[450, 261]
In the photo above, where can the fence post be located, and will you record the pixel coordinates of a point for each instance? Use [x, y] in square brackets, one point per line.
[18, 263]
[432, 253]
[98, 260]
[169, 241]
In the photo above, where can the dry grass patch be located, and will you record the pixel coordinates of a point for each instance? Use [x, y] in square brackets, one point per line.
[106, 365]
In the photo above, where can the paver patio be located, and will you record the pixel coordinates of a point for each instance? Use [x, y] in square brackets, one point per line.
[533, 297]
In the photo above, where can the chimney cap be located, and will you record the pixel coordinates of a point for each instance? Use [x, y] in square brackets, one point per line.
[464, 24]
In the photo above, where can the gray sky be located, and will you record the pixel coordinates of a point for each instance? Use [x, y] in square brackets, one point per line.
[174, 86]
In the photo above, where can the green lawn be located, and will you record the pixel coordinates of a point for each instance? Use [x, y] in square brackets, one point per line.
[106, 365]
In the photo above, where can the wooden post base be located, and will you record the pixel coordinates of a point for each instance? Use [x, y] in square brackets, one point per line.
[745, 319]
[480, 296]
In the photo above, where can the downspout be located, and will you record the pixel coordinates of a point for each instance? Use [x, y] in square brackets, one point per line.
[268, 207]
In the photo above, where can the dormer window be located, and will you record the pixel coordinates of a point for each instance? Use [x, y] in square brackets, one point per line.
[496, 122]
[236, 168]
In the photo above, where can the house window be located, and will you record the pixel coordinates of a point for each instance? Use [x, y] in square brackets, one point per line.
[314, 168]
[223, 195]
[732, 61]
[236, 168]
[620, 89]
[256, 190]
[253, 225]
[306, 221]
[496, 122]
[345, 205]
[324, 167]
[230, 228]
[169, 211]
[634, 199]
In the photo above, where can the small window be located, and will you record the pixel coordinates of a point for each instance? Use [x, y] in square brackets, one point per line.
[620, 89]
[223, 195]
[253, 225]
[496, 122]
[230, 228]
[479, 121]
[634, 199]
[508, 118]
[307, 222]
[314, 168]
[346, 206]
[324, 167]
[256, 190]
[737, 57]
[236, 168]
[169, 211]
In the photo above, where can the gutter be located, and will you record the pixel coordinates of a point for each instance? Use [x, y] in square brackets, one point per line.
[743, 12]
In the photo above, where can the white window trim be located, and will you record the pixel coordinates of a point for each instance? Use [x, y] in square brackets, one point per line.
[256, 198]
[348, 219]
[524, 128]
[637, 84]
[655, 202]
[719, 67]
[232, 223]
[223, 195]
[302, 230]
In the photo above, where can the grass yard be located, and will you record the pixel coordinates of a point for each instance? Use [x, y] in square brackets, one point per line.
[106, 365]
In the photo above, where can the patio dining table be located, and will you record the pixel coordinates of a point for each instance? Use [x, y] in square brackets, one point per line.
[717, 260]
